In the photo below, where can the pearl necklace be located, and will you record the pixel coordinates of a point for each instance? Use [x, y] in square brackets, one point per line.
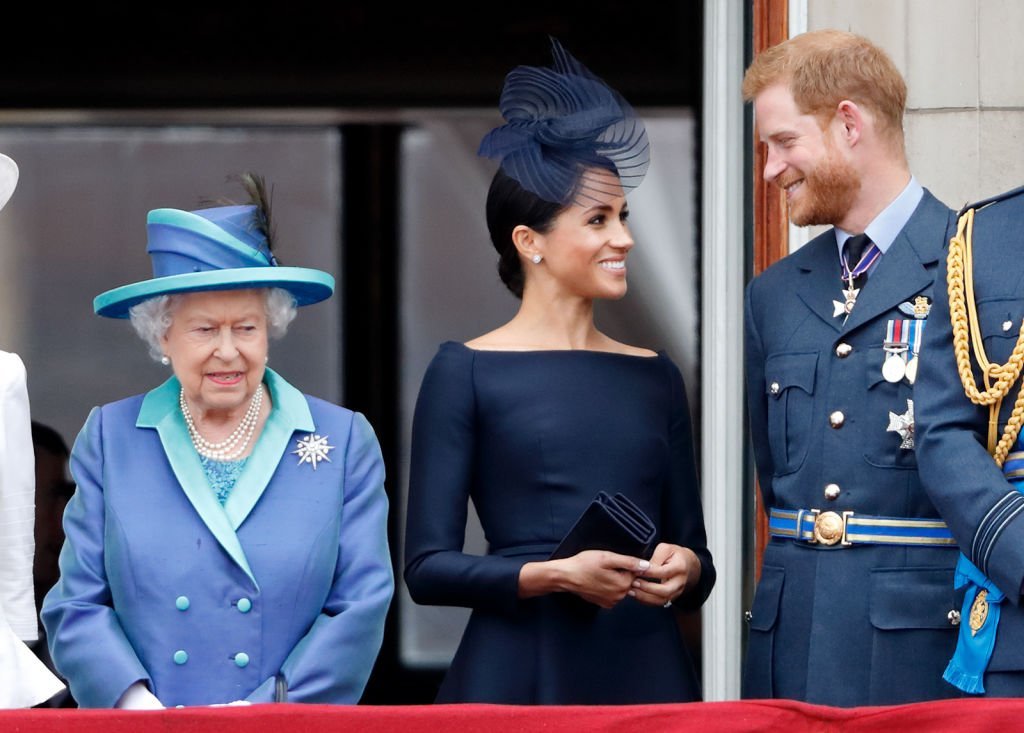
[235, 444]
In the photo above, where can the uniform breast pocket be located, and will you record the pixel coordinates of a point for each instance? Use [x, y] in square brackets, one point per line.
[1000, 320]
[789, 385]
[887, 431]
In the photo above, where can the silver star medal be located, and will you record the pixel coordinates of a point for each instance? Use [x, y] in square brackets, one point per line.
[904, 425]
[845, 308]
[313, 449]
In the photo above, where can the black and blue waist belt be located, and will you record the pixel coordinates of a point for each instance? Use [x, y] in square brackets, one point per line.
[848, 528]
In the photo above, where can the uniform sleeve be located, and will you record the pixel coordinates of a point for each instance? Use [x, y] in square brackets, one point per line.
[437, 572]
[757, 402]
[333, 661]
[87, 643]
[683, 511]
[984, 512]
[17, 501]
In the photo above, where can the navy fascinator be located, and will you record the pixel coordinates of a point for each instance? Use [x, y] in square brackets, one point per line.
[563, 123]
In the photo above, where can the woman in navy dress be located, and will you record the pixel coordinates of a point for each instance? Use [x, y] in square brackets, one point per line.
[534, 418]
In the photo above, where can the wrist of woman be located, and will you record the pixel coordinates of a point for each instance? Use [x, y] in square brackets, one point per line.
[693, 571]
[540, 578]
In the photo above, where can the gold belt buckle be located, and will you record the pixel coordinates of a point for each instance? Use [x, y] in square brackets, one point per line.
[830, 527]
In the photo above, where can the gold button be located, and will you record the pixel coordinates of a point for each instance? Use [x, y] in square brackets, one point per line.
[774, 388]
[836, 419]
[747, 616]
[954, 617]
[844, 350]
[1007, 325]
[832, 491]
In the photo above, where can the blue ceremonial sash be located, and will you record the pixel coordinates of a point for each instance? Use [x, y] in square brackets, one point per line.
[979, 619]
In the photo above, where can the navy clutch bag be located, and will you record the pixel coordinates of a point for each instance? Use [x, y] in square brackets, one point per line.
[612, 523]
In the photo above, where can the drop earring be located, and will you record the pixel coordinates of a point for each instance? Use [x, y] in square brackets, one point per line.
[537, 259]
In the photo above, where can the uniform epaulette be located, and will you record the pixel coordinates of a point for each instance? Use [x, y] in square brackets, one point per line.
[992, 199]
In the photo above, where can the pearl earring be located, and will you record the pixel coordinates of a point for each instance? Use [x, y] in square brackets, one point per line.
[536, 259]
[165, 360]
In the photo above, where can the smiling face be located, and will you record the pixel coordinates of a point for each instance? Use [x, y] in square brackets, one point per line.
[804, 160]
[585, 249]
[217, 344]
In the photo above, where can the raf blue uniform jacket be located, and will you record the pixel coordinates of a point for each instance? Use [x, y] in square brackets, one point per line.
[287, 584]
[984, 511]
[859, 625]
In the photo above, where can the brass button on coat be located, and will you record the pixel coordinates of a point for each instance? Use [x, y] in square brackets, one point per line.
[954, 617]
[832, 491]
[843, 350]
[836, 419]
[774, 388]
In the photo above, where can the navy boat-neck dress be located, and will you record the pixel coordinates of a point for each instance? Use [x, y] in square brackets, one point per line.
[531, 437]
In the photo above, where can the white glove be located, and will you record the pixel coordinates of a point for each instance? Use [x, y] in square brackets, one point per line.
[138, 697]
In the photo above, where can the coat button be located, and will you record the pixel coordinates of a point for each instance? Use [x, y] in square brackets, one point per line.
[748, 616]
[836, 419]
[241, 660]
[832, 491]
[954, 617]
[181, 603]
[244, 605]
[180, 656]
[843, 350]
[1007, 325]
[774, 388]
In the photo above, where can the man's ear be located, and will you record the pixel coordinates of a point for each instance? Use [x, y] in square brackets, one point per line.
[851, 121]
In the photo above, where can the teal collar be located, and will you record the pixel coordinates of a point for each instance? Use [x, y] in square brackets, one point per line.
[289, 412]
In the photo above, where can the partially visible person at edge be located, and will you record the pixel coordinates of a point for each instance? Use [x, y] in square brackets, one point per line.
[855, 603]
[24, 681]
[227, 541]
[970, 448]
[53, 491]
[532, 419]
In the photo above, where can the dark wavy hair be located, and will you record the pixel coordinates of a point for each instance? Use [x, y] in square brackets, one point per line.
[510, 205]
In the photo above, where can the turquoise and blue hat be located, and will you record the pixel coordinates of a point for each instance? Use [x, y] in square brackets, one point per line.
[219, 248]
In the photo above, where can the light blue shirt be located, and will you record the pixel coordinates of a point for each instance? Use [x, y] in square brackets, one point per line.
[885, 227]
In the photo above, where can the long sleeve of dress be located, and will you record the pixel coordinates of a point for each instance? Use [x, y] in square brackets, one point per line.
[437, 572]
[684, 516]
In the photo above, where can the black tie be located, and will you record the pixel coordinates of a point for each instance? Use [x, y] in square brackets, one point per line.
[854, 248]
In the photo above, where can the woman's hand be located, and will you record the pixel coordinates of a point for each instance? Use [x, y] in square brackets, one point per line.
[678, 569]
[600, 577]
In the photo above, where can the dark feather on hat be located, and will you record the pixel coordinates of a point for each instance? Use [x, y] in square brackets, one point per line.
[256, 186]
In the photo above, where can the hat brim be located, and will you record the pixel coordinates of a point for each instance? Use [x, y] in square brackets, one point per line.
[306, 285]
[8, 179]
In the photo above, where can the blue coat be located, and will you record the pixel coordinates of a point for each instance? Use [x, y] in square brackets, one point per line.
[209, 604]
[866, 624]
[957, 470]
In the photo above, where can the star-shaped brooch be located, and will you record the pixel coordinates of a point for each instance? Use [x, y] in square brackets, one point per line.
[313, 449]
[904, 425]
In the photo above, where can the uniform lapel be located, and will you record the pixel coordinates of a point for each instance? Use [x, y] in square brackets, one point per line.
[820, 284]
[160, 411]
[903, 271]
[290, 413]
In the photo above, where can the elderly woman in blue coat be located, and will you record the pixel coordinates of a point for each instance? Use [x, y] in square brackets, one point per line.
[227, 540]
